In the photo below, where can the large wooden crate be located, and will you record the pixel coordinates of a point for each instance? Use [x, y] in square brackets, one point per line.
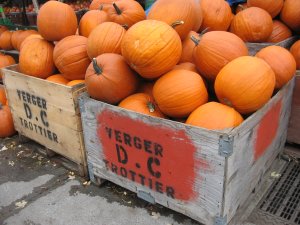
[294, 124]
[203, 174]
[47, 113]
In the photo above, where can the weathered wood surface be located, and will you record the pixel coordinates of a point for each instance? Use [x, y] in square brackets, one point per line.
[47, 113]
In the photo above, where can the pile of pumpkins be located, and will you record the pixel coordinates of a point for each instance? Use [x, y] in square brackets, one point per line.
[6, 121]
[186, 60]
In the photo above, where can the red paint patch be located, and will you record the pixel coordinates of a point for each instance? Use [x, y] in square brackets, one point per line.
[267, 130]
[157, 157]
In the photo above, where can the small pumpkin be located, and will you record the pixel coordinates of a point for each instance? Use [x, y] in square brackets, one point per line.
[141, 103]
[151, 48]
[188, 47]
[7, 128]
[58, 78]
[3, 98]
[75, 82]
[70, 57]
[246, 84]
[217, 15]
[23, 36]
[252, 25]
[290, 14]
[56, 20]
[295, 50]
[5, 60]
[14, 38]
[108, 78]
[271, 6]
[146, 87]
[105, 38]
[32, 36]
[186, 66]
[90, 20]
[214, 50]
[280, 32]
[215, 116]
[179, 92]
[5, 40]
[281, 61]
[36, 58]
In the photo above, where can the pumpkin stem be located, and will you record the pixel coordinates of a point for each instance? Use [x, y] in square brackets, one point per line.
[97, 68]
[151, 107]
[204, 31]
[241, 6]
[118, 10]
[176, 23]
[125, 26]
[195, 40]
[101, 7]
[1, 106]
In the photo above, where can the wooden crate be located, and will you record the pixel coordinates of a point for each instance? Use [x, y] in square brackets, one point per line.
[203, 174]
[47, 113]
[294, 124]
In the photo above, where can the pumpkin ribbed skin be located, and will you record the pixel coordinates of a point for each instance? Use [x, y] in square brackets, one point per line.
[246, 84]
[179, 92]
[6, 122]
[105, 38]
[5, 60]
[151, 48]
[217, 15]
[295, 50]
[252, 25]
[105, 4]
[290, 14]
[75, 82]
[280, 32]
[177, 10]
[215, 116]
[32, 36]
[5, 40]
[70, 57]
[36, 58]
[271, 6]
[115, 80]
[14, 38]
[281, 61]
[141, 103]
[215, 49]
[91, 20]
[186, 66]
[56, 20]
[58, 78]
[188, 47]
[23, 36]
[3, 98]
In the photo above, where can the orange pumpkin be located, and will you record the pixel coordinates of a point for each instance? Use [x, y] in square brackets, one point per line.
[3, 98]
[281, 61]
[280, 32]
[23, 36]
[246, 84]
[252, 25]
[70, 57]
[177, 10]
[295, 50]
[151, 48]
[290, 14]
[58, 78]
[188, 47]
[109, 79]
[215, 116]
[146, 87]
[5, 60]
[32, 36]
[5, 40]
[75, 82]
[36, 58]
[126, 13]
[179, 92]
[56, 20]
[90, 20]
[215, 49]
[217, 15]
[7, 128]
[14, 38]
[105, 38]
[186, 66]
[2, 29]
[141, 103]
[104, 4]
[271, 6]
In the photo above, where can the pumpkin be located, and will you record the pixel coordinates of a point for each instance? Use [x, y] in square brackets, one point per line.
[56, 20]
[179, 92]
[215, 49]
[271, 6]
[58, 78]
[14, 38]
[290, 14]
[126, 13]
[90, 20]
[151, 48]
[295, 50]
[252, 25]
[23, 36]
[70, 57]
[217, 15]
[105, 38]
[188, 47]
[5, 60]
[105, 4]
[280, 32]
[32, 36]
[5, 40]
[177, 10]
[186, 66]
[2, 29]
[3, 98]
[141, 103]
[36, 58]
[6, 122]
[281, 61]
[215, 116]
[75, 82]
[246, 84]
[108, 78]
[146, 87]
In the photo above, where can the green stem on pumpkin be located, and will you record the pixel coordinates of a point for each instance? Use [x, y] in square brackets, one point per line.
[177, 23]
[125, 26]
[195, 40]
[151, 107]
[241, 6]
[1, 106]
[101, 7]
[118, 10]
[97, 68]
